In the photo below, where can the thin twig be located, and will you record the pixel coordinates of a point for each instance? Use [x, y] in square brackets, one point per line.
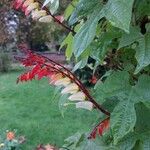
[55, 19]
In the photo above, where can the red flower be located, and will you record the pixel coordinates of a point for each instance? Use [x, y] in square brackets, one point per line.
[100, 128]
[10, 136]
[93, 79]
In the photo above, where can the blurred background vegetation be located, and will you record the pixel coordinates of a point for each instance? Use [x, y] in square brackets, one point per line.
[16, 29]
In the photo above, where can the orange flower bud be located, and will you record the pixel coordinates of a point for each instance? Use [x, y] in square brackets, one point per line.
[10, 136]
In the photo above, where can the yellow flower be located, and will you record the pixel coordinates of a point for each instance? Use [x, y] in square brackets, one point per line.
[63, 81]
[79, 96]
[71, 88]
[45, 19]
[31, 7]
[86, 105]
[27, 3]
[36, 14]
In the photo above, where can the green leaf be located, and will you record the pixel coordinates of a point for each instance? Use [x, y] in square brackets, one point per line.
[142, 50]
[46, 2]
[146, 144]
[69, 9]
[69, 42]
[143, 53]
[142, 8]
[62, 101]
[123, 119]
[54, 6]
[147, 104]
[128, 142]
[142, 123]
[119, 13]
[81, 64]
[91, 145]
[86, 34]
[130, 38]
[116, 84]
[74, 141]
[100, 47]
[84, 8]
[142, 89]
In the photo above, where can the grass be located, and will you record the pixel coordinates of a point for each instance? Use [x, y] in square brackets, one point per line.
[31, 109]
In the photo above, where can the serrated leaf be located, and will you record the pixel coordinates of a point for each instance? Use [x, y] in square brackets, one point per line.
[83, 8]
[142, 50]
[123, 119]
[142, 89]
[69, 42]
[91, 145]
[86, 34]
[147, 104]
[100, 47]
[73, 141]
[69, 9]
[146, 144]
[130, 38]
[81, 64]
[54, 6]
[128, 142]
[119, 13]
[116, 84]
[47, 1]
[143, 53]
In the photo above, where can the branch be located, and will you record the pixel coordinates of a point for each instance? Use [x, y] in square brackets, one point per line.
[55, 19]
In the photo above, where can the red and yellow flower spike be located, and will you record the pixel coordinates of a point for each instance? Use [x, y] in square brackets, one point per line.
[37, 12]
[58, 76]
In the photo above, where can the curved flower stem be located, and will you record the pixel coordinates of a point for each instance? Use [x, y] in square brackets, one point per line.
[55, 19]
[70, 75]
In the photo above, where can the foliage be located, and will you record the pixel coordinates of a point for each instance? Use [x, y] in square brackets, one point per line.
[9, 141]
[116, 33]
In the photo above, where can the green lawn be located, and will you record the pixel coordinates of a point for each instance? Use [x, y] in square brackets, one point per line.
[31, 109]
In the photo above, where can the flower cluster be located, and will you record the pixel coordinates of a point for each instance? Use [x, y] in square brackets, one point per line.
[57, 75]
[10, 141]
[100, 128]
[33, 8]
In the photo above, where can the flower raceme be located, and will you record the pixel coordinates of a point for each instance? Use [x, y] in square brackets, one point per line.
[100, 128]
[31, 7]
[57, 75]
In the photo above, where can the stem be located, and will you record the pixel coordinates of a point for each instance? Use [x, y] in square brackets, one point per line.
[73, 78]
[79, 83]
[55, 19]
